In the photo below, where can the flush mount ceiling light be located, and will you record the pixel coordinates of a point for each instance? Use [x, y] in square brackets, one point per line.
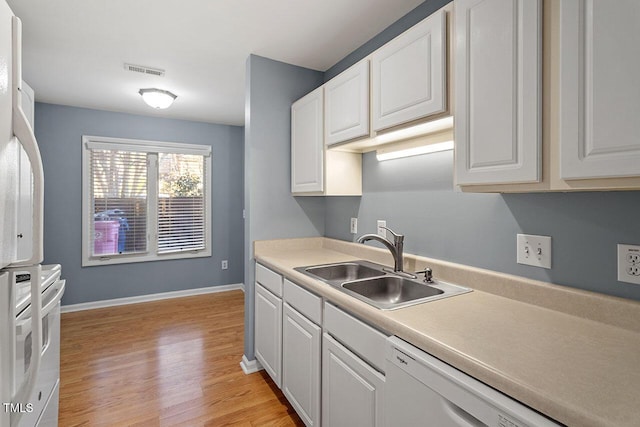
[157, 98]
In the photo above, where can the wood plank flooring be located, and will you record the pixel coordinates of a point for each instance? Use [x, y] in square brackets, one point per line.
[168, 363]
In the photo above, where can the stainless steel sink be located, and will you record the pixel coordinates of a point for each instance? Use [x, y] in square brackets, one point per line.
[391, 289]
[367, 282]
[344, 272]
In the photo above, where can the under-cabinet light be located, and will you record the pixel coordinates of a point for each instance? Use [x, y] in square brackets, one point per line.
[413, 131]
[414, 151]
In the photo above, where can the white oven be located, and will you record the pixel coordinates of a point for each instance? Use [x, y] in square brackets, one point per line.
[42, 406]
[49, 372]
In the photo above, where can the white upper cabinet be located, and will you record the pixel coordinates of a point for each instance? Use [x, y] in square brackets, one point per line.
[316, 171]
[307, 146]
[408, 74]
[599, 89]
[497, 91]
[346, 101]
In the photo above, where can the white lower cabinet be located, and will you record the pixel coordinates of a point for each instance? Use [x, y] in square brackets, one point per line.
[335, 379]
[301, 364]
[352, 390]
[352, 371]
[268, 332]
[301, 351]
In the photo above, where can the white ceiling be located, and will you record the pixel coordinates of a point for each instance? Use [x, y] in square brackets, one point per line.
[74, 50]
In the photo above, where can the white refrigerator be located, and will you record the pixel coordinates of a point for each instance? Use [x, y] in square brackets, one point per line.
[29, 292]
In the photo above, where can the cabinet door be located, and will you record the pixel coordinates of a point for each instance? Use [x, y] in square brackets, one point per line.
[268, 332]
[301, 365]
[599, 90]
[307, 146]
[346, 104]
[409, 74]
[498, 87]
[352, 390]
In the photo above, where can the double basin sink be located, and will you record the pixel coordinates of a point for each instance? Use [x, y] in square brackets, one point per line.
[370, 283]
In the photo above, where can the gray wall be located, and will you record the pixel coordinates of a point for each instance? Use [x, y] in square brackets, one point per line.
[415, 195]
[271, 212]
[59, 130]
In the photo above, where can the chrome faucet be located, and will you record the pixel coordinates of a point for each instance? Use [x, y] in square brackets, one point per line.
[395, 248]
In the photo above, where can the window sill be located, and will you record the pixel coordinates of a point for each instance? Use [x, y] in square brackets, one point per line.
[128, 259]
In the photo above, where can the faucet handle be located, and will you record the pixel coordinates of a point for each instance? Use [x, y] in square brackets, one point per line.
[428, 274]
[396, 236]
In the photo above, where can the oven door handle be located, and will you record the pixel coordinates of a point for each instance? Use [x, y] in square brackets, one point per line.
[60, 284]
[24, 327]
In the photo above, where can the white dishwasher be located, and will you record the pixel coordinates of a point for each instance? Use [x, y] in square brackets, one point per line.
[421, 390]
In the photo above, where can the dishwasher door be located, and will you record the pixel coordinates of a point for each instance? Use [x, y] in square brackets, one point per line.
[421, 390]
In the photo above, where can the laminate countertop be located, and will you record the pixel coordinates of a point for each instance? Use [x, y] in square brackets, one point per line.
[572, 355]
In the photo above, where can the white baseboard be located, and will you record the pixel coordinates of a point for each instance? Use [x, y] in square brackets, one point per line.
[250, 366]
[147, 298]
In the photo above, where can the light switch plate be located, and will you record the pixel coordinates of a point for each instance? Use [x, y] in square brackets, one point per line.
[534, 250]
[353, 225]
[629, 264]
[381, 231]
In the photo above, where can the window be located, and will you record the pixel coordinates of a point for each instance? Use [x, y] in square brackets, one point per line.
[144, 200]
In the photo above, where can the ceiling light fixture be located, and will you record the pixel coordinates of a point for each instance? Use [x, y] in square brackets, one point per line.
[157, 98]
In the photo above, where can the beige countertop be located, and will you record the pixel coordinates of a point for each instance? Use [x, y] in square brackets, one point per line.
[572, 355]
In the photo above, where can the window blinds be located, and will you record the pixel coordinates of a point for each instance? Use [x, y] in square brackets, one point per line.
[181, 214]
[118, 192]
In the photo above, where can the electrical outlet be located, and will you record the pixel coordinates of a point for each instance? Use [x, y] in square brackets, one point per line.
[225, 264]
[354, 225]
[381, 231]
[534, 250]
[633, 258]
[629, 264]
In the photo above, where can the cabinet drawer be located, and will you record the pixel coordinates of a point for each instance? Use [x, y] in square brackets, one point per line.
[269, 279]
[361, 338]
[304, 301]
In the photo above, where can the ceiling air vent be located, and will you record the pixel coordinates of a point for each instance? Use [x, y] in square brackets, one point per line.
[144, 70]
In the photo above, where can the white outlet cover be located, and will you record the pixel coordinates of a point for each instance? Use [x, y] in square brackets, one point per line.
[381, 231]
[534, 250]
[224, 264]
[629, 264]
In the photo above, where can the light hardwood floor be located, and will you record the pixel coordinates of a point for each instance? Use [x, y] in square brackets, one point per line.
[166, 363]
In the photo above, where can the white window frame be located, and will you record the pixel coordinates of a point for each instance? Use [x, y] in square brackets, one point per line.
[153, 148]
